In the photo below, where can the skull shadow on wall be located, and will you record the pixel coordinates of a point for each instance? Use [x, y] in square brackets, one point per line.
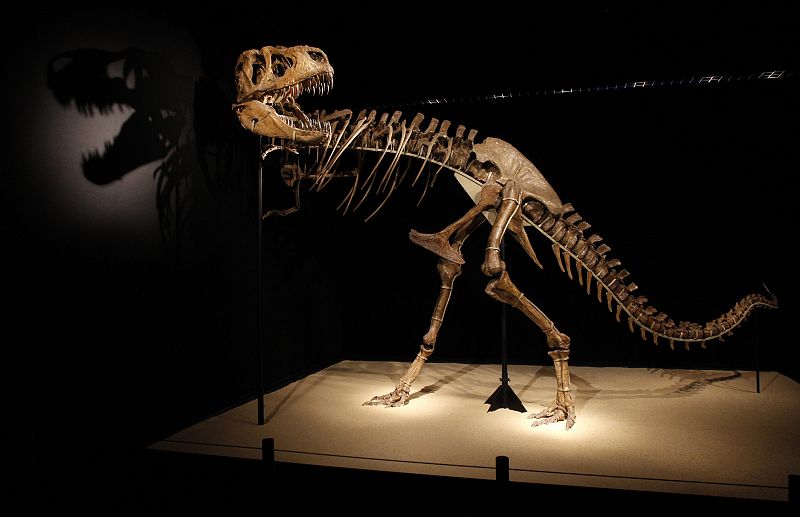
[159, 127]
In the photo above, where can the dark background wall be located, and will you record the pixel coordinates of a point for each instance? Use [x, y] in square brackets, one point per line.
[132, 274]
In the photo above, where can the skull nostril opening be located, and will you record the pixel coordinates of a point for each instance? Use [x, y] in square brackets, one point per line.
[256, 73]
[316, 56]
[258, 69]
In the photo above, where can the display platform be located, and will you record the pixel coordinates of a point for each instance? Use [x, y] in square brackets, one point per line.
[675, 431]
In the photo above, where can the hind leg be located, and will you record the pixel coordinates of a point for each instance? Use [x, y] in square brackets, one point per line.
[448, 272]
[563, 408]
[502, 289]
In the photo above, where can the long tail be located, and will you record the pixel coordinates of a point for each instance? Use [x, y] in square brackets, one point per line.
[566, 232]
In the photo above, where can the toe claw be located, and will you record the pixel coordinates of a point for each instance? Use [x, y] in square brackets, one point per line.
[397, 398]
[570, 418]
[553, 414]
[545, 413]
[545, 421]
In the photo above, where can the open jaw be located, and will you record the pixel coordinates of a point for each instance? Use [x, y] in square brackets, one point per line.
[275, 113]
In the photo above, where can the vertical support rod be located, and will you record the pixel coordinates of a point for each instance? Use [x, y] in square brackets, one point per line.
[178, 216]
[758, 365]
[259, 312]
[501, 469]
[504, 397]
[268, 457]
[504, 334]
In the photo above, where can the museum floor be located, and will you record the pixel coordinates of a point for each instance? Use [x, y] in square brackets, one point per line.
[667, 431]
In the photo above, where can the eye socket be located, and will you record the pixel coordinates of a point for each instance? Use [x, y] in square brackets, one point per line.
[280, 64]
[316, 56]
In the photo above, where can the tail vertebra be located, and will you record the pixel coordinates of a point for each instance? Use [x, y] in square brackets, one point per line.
[591, 263]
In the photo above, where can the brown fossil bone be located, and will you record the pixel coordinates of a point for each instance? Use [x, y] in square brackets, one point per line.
[268, 82]
[507, 189]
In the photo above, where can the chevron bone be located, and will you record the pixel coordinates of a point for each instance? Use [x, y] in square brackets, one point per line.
[569, 243]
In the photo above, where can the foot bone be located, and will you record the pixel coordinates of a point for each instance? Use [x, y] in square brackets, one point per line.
[553, 414]
[397, 398]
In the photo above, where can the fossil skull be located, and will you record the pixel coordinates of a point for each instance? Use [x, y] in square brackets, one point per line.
[268, 83]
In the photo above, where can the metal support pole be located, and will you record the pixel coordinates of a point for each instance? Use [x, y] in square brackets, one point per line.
[504, 396]
[268, 457]
[758, 362]
[259, 310]
[501, 469]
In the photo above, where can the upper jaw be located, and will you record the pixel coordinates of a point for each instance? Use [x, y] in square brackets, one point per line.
[318, 84]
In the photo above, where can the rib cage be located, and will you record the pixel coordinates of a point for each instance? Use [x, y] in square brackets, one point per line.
[392, 138]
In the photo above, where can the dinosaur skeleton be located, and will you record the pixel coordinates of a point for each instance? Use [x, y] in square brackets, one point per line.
[508, 190]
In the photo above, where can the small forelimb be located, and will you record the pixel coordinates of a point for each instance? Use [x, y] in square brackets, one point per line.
[290, 210]
[272, 147]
